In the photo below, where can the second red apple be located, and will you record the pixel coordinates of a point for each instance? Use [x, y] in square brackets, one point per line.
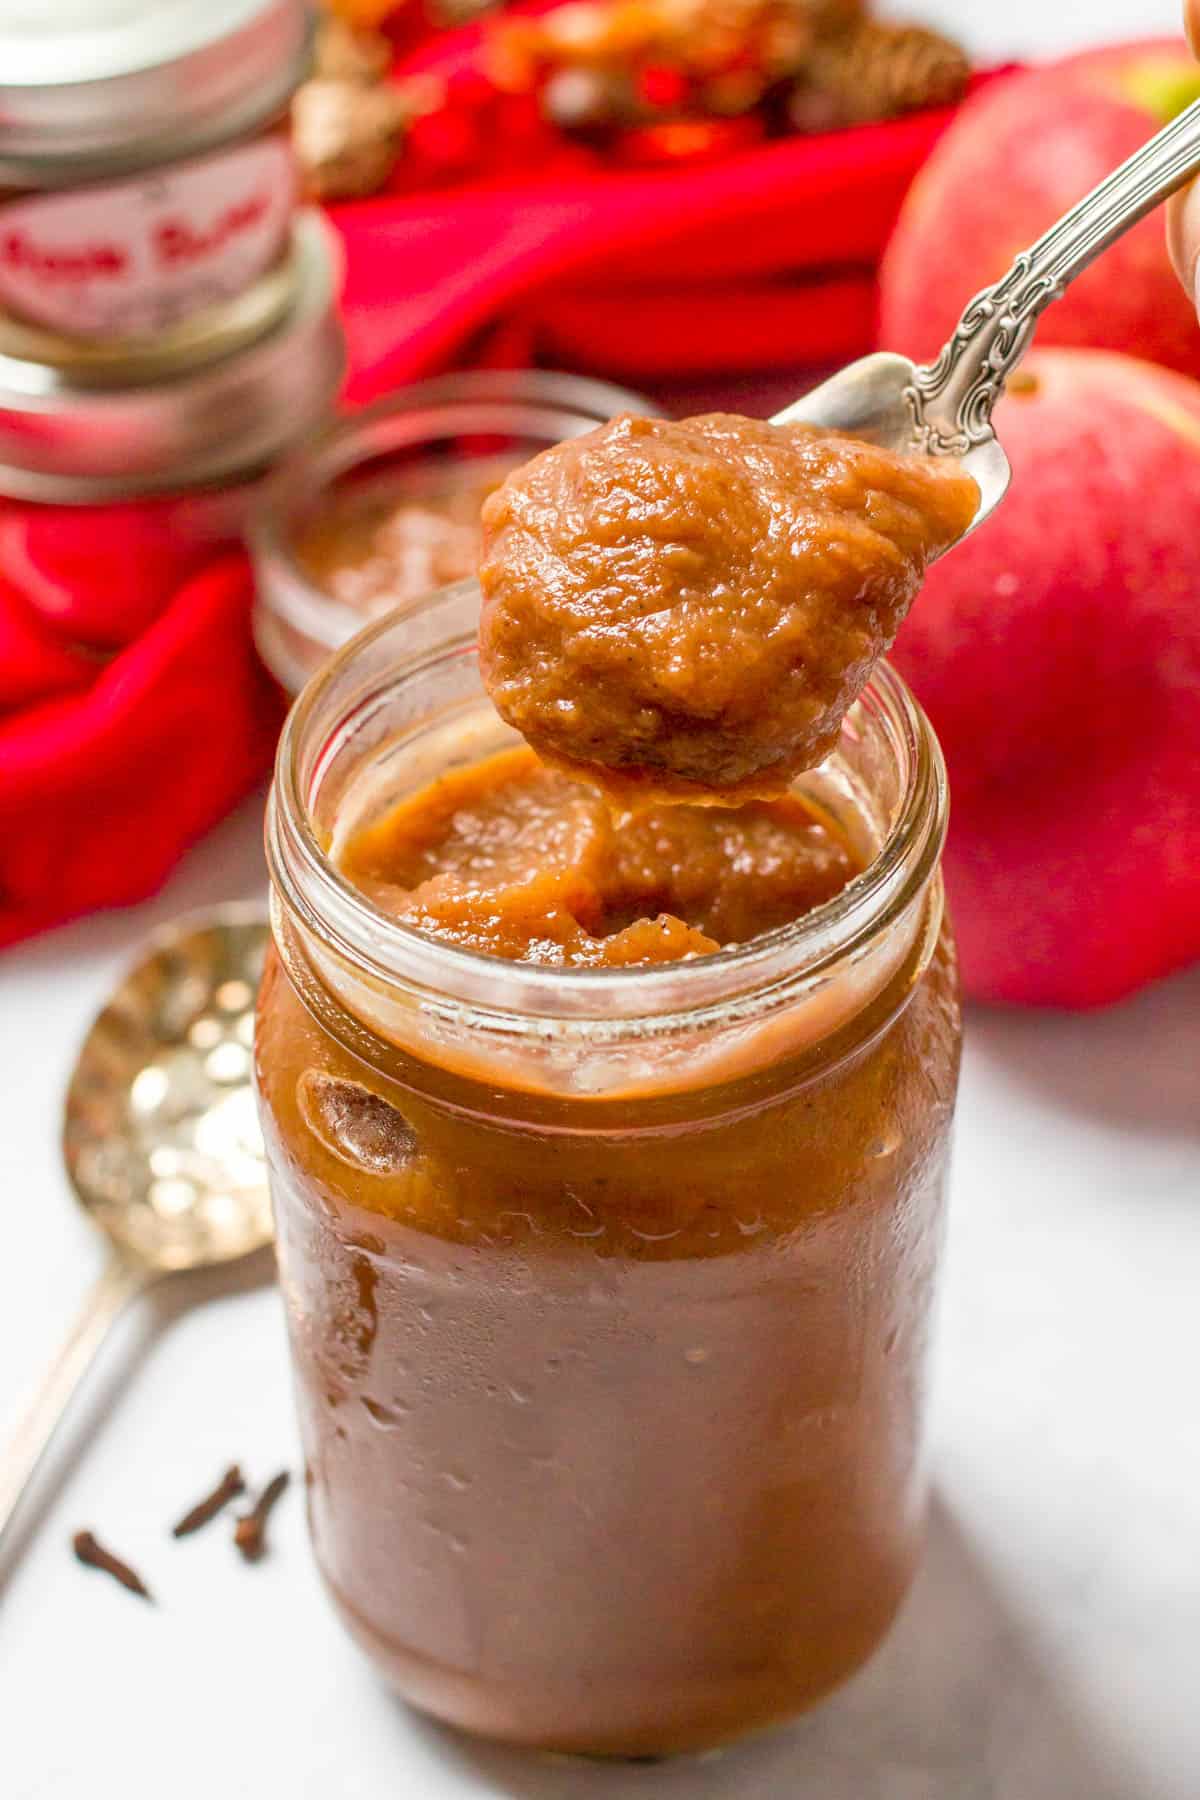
[1020, 153]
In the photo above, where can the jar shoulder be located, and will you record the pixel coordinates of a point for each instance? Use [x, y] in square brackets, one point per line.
[361, 1149]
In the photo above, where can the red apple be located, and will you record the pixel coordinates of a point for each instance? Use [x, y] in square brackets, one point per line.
[1021, 152]
[1057, 653]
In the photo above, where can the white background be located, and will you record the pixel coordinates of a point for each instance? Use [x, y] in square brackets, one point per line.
[1052, 1648]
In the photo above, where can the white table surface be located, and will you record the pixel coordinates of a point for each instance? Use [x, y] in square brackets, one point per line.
[1051, 1650]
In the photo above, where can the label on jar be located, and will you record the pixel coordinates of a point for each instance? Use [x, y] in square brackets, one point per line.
[137, 256]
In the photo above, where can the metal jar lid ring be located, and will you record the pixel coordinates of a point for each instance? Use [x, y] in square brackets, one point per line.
[66, 442]
[95, 88]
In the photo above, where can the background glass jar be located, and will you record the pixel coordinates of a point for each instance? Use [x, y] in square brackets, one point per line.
[417, 464]
[146, 168]
[608, 1290]
[195, 408]
[153, 460]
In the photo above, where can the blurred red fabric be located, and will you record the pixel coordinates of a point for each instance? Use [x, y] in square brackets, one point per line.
[763, 259]
[110, 768]
[133, 712]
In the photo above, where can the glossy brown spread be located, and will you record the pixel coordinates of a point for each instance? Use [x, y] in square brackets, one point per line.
[611, 1391]
[692, 606]
[611, 1410]
[514, 859]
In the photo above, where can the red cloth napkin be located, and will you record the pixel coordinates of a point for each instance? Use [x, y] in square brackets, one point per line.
[133, 712]
[765, 259]
[111, 765]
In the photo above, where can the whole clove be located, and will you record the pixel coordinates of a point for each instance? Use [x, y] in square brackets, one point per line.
[228, 1488]
[250, 1532]
[93, 1555]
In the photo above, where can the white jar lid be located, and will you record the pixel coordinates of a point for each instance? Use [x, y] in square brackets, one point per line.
[90, 88]
[65, 441]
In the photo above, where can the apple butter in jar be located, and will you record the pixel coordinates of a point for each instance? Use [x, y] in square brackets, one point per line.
[608, 1152]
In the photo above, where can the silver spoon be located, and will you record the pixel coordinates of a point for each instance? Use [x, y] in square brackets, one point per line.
[945, 408]
[160, 1141]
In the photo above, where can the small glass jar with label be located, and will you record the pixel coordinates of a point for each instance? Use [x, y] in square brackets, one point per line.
[146, 169]
[155, 458]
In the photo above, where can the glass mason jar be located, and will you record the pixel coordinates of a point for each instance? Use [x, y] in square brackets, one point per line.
[608, 1290]
[435, 444]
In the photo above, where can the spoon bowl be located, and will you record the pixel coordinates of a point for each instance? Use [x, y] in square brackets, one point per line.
[160, 1138]
[160, 1141]
[875, 399]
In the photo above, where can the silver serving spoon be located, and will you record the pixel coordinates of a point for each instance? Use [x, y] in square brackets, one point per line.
[945, 408]
[160, 1141]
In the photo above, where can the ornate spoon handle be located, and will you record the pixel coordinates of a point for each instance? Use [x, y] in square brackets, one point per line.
[952, 399]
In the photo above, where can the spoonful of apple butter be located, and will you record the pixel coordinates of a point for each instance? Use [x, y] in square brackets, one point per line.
[687, 609]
